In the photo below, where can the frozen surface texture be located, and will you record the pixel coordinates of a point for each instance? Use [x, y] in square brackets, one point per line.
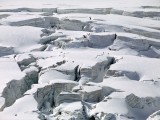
[79, 60]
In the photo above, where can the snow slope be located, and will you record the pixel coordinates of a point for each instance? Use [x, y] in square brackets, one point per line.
[79, 60]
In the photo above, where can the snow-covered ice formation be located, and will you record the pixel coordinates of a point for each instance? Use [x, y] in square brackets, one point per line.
[80, 60]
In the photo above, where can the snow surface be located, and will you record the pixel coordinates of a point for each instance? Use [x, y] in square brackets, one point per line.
[79, 60]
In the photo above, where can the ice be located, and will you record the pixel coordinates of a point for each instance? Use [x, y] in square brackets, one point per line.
[79, 60]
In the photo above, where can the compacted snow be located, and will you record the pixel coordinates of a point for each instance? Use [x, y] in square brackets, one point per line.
[80, 60]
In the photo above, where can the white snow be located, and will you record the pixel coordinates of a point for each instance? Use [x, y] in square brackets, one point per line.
[104, 51]
[20, 38]
[7, 73]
